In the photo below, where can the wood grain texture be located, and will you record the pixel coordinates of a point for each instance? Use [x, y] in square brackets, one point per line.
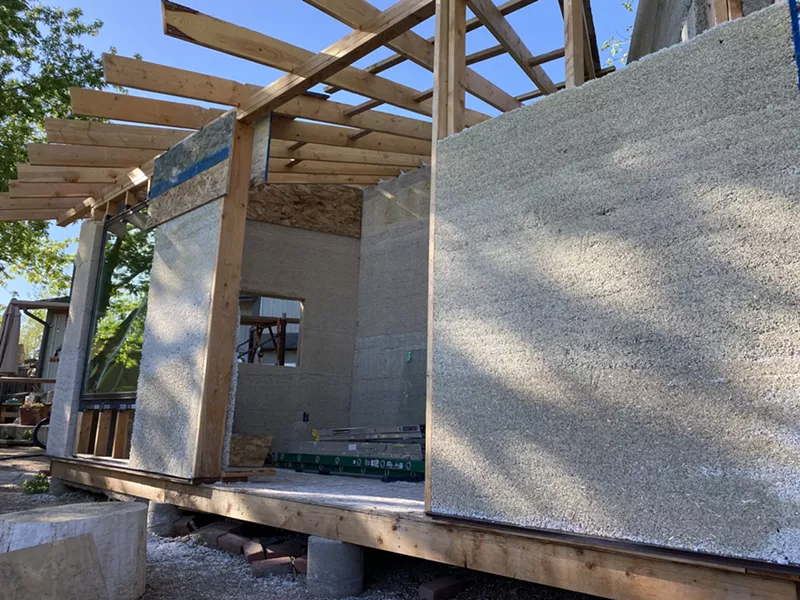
[249, 450]
[223, 319]
[47, 174]
[528, 556]
[97, 133]
[328, 208]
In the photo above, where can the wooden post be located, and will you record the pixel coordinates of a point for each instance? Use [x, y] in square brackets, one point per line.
[224, 309]
[103, 433]
[83, 440]
[121, 448]
[574, 43]
[456, 65]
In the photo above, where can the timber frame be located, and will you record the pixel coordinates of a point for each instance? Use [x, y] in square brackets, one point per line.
[87, 166]
[95, 169]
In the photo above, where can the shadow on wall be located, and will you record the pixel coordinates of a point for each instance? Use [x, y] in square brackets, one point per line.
[639, 377]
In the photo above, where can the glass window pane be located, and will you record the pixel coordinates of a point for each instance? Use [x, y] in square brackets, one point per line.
[120, 309]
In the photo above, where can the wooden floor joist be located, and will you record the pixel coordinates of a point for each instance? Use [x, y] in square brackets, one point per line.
[50, 174]
[87, 156]
[528, 556]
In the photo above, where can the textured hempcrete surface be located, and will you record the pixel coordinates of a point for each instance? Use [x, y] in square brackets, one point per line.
[629, 253]
[388, 388]
[175, 340]
[320, 269]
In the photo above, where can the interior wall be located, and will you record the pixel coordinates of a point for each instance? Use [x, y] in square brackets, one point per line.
[615, 322]
[390, 350]
[321, 269]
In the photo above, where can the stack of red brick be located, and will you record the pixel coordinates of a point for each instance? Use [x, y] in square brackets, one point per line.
[265, 559]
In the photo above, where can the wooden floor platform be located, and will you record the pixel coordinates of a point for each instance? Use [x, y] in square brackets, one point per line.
[391, 517]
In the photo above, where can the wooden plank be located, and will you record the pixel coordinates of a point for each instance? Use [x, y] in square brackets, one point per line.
[574, 30]
[21, 189]
[135, 179]
[332, 168]
[441, 71]
[121, 448]
[333, 135]
[561, 85]
[506, 8]
[735, 10]
[97, 133]
[87, 156]
[327, 179]
[153, 77]
[85, 432]
[356, 14]
[717, 12]
[103, 433]
[45, 204]
[282, 149]
[521, 555]
[456, 65]
[124, 107]
[500, 28]
[216, 375]
[49, 174]
[193, 26]
[384, 26]
[29, 214]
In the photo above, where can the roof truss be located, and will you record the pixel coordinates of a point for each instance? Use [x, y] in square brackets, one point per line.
[87, 165]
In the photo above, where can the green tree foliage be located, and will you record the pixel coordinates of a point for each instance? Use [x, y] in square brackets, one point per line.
[617, 47]
[41, 57]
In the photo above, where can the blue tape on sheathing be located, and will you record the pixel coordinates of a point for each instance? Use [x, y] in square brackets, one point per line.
[193, 155]
[794, 11]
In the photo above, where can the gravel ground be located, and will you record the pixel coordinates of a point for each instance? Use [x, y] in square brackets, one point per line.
[179, 569]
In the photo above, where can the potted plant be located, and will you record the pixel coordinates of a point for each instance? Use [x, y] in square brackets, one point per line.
[31, 412]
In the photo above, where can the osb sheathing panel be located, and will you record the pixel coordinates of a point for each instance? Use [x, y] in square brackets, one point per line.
[328, 208]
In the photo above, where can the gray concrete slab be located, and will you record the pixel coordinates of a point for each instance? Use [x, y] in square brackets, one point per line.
[616, 325]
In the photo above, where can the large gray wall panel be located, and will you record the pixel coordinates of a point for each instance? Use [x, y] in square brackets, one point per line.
[390, 356]
[616, 325]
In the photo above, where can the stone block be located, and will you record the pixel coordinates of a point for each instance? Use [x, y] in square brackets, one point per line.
[209, 535]
[118, 530]
[335, 568]
[301, 564]
[272, 566]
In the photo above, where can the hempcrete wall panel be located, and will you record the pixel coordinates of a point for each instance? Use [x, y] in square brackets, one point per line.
[175, 343]
[321, 269]
[616, 325]
[390, 353]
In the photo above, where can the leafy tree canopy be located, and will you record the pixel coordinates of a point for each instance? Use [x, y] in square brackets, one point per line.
[41, 57]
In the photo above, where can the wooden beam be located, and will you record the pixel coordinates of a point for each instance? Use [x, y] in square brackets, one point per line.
[60, 204]
[532, 95]
[134, 179]
[574, 30]
[331, 168]
[124, 107]
[356, 13]
[19, 189]
[523, 555]
[103, 433]
[152, 77]
[87, 156]
[223, 311]
[193, 26]
[456, 65]
[717, 12]
[29, 214]
[281, 149]
[384, 26]
[315, 133]
[48, 174]
[326, 179]
[85, 431]
[495, 22]
[96, 133]
[392, 61]
[735, 10]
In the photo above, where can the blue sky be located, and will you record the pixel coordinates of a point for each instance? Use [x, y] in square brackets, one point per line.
[140, 30]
